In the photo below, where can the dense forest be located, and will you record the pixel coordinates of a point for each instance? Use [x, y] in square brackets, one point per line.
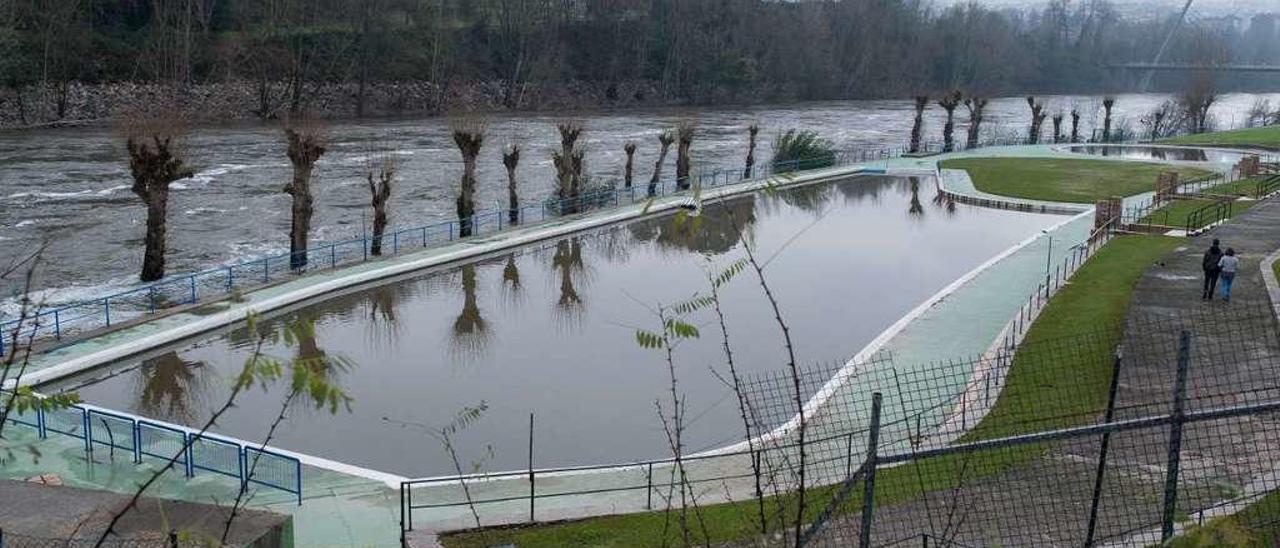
[694, 51]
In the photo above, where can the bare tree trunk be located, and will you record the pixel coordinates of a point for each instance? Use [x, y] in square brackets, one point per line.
[629, 171]
[1107, 104]
[949, 104]
[684, 132]
[977, 107]
[1057, 128]
[568, 163]
[665, 139]
[306, 146]
[379, 193]
[752, 130]
[1037, 119]
[154, 163]
[510, 160]
[469, 136]
[917, 127]
[1075, 126]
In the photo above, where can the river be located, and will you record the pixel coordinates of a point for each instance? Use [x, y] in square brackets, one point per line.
[70, 187]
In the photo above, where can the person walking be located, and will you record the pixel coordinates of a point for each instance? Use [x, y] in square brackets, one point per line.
[1229, 263]
[1210, 265]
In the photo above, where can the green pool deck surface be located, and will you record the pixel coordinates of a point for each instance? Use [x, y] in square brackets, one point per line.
[342, 509]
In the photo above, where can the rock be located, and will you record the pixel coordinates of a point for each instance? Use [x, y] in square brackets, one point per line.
[46, 479]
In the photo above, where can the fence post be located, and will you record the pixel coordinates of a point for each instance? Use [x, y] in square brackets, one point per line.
[869, 485]
[1175, 437]
[648, 484]
[173, 538]
[106, 310]
[532, 487]
[193, 288]
[1102, 452]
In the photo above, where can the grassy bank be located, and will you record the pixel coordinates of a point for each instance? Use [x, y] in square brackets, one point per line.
[1067, 179]
[1267, 137]
[1072, 390]
[1257, 526]
[1175, 213]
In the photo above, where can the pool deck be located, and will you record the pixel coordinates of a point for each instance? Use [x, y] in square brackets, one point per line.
[348, 506]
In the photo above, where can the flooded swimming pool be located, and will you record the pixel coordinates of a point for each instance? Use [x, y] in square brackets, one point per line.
[550, 330]
[1143, 152]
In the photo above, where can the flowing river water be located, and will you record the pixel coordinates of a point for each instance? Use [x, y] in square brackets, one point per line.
[70, 187]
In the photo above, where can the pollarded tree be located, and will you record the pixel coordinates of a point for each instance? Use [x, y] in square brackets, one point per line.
[468, 135]
[949, 102]
[1037, 120]
[684, 135]
[1196, 100]
[306, 144]
[752, 131]
[510, 160]
[664, 139]
[629, 171]
[1075, 125]
[1057, 127]
[380, 177]
[977, 107]
[155, 161]
[568, 164]
[1108, 103]
[917, 127]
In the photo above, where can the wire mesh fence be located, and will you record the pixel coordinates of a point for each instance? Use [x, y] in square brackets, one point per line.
[9, 539]
[1090, 443]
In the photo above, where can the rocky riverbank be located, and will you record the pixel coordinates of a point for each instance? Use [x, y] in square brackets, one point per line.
[77, 103]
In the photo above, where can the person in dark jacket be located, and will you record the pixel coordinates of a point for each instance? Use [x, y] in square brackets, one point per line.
[1211, 270]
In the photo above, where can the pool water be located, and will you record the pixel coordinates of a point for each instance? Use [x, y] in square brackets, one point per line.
[1142, 152]
[549, 330]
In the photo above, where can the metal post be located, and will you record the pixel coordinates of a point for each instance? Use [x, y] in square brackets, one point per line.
[173, 538]
[1175, 437]
[266, 269]
[106, 310]
[648, 484]
[1102, 451]
[869, 486]
[231, 277]
[57, 325]
[333, 255]
[193, 288]
[1048, 265]
[532, 487]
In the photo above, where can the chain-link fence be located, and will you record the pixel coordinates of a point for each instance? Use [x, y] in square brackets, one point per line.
[9, 539]
[1071, 441]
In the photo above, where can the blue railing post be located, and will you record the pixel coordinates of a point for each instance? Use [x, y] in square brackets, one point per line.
[424, 236]
[151, 298]
[266, 269]
[106, 310]
[193, 288]
[395, 242]
[297, 475]
[57, 325]
[333, 255]
[231, 279]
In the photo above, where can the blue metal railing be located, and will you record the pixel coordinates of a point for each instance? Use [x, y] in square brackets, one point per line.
[139, 438]
[187, 289]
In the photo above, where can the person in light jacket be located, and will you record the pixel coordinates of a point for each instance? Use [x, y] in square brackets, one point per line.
[1228, 264]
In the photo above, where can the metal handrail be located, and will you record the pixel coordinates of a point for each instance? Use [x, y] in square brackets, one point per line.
[153, 297]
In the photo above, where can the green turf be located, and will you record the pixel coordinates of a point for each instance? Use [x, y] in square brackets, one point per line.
[1257, 526]
[1268, 136]
[1175, 213]
[1071, 391]
[1066, 180]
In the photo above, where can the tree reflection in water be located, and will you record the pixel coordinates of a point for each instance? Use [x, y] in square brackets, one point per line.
[915, 208]
[567, 262]
[942, 199]
[470, 334]
[710, 233]
[170, 388]
[511, 281]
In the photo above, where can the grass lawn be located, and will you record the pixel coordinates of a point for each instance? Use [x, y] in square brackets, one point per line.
[1268, 136]
[1066, 180]
[1257, 526]
[1243, 187]
[1175, 213]
[1069, 392]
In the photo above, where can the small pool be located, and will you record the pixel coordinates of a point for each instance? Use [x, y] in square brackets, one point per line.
[550, 330]
[1161, 153]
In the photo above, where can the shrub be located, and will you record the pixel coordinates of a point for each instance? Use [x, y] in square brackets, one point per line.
[802, 149]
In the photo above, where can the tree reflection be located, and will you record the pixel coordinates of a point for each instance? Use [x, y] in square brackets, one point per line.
[567, 263]
[715, 231]
[470, 333]
[169, 387]
[856, 190]
[511, 280]
[942, 199]
[915, 209]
